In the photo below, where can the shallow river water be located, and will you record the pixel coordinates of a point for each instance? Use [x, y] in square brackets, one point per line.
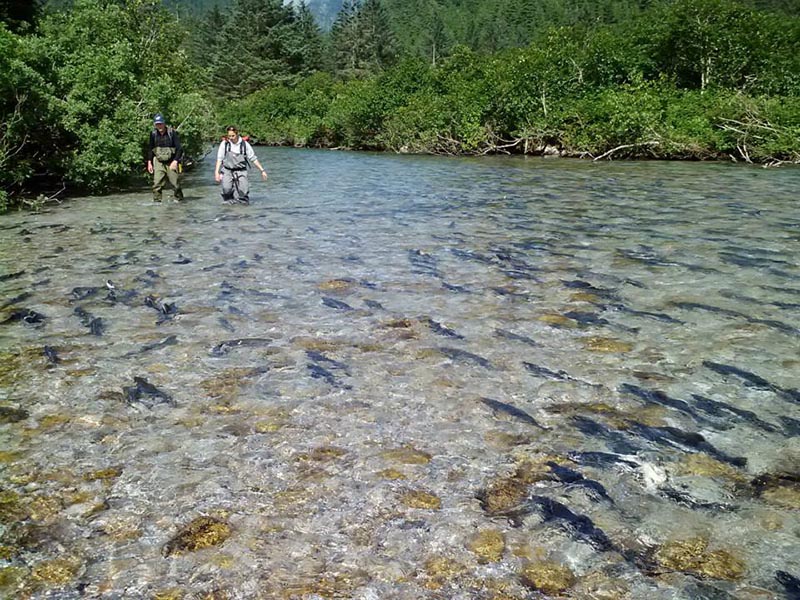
[396, 377]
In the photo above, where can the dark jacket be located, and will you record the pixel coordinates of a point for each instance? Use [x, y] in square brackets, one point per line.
[170, 139]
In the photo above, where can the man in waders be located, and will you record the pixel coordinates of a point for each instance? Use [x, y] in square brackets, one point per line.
[234, 156]
[164, 159]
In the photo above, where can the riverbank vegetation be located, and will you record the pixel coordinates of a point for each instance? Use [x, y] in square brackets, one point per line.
[677, 79]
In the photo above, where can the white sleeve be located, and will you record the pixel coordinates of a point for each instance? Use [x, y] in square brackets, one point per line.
[251, 155]
[221, 151]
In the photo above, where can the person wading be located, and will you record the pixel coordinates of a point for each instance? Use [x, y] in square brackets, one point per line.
[164, 159]
[234, 156]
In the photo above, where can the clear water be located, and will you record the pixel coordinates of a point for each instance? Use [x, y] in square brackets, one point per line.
[579, 290]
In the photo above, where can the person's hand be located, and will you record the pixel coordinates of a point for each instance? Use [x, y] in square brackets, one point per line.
[173, 165]
[150, 167]
[263, 174]
[218, 176]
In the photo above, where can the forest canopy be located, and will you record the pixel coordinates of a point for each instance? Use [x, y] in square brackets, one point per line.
[80, 80]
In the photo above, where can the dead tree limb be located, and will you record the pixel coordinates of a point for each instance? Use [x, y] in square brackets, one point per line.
[624, 146]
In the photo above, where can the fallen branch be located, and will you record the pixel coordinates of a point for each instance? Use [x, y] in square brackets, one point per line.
[610, 152]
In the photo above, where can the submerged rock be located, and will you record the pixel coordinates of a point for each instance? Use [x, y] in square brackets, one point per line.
[601, 344]
[421, 499]
[202, 532]
[488, 545]
[692, 556]
[9, 414]
[548, 576]
[407, 455]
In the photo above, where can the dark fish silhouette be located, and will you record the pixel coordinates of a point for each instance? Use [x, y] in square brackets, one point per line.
[319, 372]
[10, 276]
[580, 527]
[725, 410]
[440, 329]
[546, 373]
[683, 440]
[12, 415]
[319, 357]
[16, 300]
[25, 315]
[167, 341]
[790, 583]
[181, 260]
[510, 335]
[81, 293]
[511, 410]
[373, 304]
[752, 380]
[95, 324]
[601, 460]
[687, 499]
[660, 398]
[791, 426]
[51, 354]
[223, 348]
[573, 477]
[463, 356]
[423, 263]
[337, 304]
[146, 393]
[616, 441]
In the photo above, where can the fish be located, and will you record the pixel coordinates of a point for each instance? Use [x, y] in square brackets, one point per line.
[318, 372]
[423, 263]
[226, 324]
[16, 300]
[719, 409]
[615, 440]
[373, 304]
[10, 276]
[791, 426]
[95, 324]
[167, 341]
[81, 293]
[25, 315]
[440, 329]
[455, 354]
[752, 380]
[337, 304]
[510, 335]
[683, 440]
[602, 460]
[573, 477]
[513, 411]
[687, 499]
[320, 357]
[660, 398]
[51, 354]
[223, 348]
[182, 260]
[578, 526]
[455, 288]
[146, 393]
[790, 583]
[12, 415]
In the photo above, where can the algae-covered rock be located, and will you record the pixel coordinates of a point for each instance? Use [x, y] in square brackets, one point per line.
[601, 344]
[11, 507]
[692, 556]
[9, 414]
[200, 533]
[440, 570]
[706, 466]
[105, 475]
[169, 594]
[503, 495]
[421, 499]
[56, 572]
[407, 455]
[548, 576]
[557, 320]
[488, 545]
[323, 454]
[391, 474]
[11, 578]
[337, 285]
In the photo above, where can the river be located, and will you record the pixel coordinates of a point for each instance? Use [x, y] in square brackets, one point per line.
[400, 377]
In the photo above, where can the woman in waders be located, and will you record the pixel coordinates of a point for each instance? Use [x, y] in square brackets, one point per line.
[234, 156]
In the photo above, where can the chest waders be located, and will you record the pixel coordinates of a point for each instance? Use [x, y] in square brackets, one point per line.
[235, 186]
[162, 158]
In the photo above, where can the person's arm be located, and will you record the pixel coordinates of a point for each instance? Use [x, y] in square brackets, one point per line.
[251, 156]
[150, 153]
[218, 165]
[176, 141]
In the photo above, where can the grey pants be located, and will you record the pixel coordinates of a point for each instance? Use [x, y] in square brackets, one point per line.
[235, 182]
